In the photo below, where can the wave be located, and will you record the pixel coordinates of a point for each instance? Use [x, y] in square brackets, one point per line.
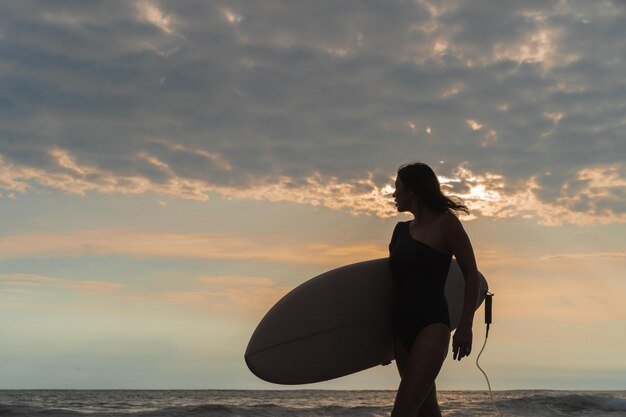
[511, 403]
[568, 404]
[208, 410]
[269, 410]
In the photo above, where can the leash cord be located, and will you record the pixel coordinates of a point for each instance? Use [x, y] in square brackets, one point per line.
[488, 304]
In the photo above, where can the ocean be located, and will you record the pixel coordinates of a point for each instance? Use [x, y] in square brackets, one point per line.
[309, 403]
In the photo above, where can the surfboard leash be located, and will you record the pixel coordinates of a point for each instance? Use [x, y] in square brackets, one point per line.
[488, 305]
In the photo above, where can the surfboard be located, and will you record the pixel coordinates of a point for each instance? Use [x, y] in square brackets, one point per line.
[336, 324]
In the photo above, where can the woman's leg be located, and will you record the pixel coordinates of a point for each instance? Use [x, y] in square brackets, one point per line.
[400, 354]
[430, 407]
[422, 365]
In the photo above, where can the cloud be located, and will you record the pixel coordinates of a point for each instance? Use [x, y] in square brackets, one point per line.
[236, 281]
[474, 125]
[569, 298]
[251, 301]
[241, 295]
[94, 287]
[554, 290]
[248, 301]
[584, 255]
[142, 243]
[593, 196]
[251, 100]
[248, 296]
[150, 12]
[22, 282]
[598, 187]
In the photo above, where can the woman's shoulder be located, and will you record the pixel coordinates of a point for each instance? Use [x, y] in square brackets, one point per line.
[400, 224]
[451, 222]
[449, 219]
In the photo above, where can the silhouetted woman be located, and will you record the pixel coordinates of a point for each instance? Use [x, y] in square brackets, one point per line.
[420, 253]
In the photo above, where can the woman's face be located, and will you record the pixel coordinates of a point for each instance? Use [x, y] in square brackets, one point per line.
[401, 196]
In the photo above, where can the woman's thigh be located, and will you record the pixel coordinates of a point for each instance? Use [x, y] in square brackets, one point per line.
[421, 367]
[429, 350]
[400, 354]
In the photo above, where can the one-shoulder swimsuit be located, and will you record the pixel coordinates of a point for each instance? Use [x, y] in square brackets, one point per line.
[420, 273]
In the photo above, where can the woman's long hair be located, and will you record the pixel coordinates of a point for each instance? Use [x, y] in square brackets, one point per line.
[420, 179]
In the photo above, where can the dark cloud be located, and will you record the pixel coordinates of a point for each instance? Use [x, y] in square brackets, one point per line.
[339, 88]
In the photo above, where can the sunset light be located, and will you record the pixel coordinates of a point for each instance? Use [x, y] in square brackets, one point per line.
[170, 170]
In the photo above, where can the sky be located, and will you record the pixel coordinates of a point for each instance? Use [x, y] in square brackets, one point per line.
[171, 169]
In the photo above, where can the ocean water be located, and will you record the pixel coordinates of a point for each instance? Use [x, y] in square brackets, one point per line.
[309, 403]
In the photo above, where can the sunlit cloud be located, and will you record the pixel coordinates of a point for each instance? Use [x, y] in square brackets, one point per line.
[232, 17]
[236, 281]
[150, 12]
[585, 255]
[437, 48]
[552, 303]
[80, 179]
[249, 296]
[563, 288]
[562, 293]
[359, 197]
[602, 182]
[37, 281]
[94, 287]
[490, 195]
[487, 194]
[186, 296]
[247, 301]
[246, 296]
[139, 243]
[555, 116]
[473, 124]
[65, 160]
[346, 49]
[537, 47]
[26, 279]
[215, 157]
[490, 138]
[154, 161]
[453, 90]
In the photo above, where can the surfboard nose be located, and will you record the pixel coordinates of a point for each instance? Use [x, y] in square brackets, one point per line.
[332, 325]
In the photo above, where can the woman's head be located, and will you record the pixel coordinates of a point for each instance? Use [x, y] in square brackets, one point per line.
[418, 182]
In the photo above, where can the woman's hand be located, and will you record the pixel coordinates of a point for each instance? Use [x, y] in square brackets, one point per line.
[462, 340]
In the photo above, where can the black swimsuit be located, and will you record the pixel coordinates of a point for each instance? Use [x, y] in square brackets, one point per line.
[420, 273]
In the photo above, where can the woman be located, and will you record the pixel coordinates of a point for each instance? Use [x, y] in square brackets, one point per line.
[420, 253]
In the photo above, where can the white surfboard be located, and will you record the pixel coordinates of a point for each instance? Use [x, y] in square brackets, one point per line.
[336, 324]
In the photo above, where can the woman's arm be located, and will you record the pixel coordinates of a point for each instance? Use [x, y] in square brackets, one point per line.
[461, 247]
